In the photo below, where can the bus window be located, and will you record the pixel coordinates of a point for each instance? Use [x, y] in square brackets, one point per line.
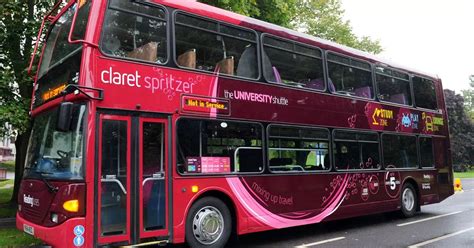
[425, 94]
[399, 151]
[393, 86]
[208, 147]
[298, 149]
[292, 63]
[136, 31]
[350, 77]
[356, 151]
[215, 47]
[426, 152]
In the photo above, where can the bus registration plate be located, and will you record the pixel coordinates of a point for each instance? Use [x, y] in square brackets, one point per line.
[29, 229]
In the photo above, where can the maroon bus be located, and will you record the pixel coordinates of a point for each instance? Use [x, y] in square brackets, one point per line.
[173, 121]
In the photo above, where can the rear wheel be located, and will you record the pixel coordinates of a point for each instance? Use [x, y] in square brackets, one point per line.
[409, 201]
[208, 223]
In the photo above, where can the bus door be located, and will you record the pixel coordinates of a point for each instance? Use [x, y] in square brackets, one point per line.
[131, 191]
[153, 140]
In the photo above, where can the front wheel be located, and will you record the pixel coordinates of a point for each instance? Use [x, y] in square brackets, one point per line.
[408, 201]
[208, 223]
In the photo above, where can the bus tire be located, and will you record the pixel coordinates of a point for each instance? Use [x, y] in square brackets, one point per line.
[208, 224]
[408, 200]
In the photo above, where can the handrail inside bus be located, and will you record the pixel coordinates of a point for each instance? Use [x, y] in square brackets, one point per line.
[114, 180]
[46, 17]
[71, 30]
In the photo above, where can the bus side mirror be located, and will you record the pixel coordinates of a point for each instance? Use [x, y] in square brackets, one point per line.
[64, 117]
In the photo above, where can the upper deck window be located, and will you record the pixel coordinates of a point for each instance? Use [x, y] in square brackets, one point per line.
[136, 31]
[425, 94]
[292, 63]
[393, 86]
[57, 48]
[215, 47]
[350, 76]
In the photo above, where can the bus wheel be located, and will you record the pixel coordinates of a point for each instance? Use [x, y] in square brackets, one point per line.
[208, 223]
[408, 201]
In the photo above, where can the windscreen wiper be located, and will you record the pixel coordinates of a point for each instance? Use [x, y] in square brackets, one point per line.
[51, 188]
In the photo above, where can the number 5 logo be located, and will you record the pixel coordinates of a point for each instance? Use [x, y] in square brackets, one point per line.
[392, 182]
[393, 185]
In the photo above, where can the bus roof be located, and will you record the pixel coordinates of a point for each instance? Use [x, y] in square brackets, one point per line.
[192, 6]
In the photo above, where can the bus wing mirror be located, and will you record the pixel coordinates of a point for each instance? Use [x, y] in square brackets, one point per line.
[64, 117]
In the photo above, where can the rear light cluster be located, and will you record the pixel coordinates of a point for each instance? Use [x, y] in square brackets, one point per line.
[69, 202]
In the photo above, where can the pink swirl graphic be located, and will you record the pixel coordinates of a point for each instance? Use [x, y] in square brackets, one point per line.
[273, 220]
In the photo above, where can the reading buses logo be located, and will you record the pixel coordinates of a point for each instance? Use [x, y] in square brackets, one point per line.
[27, 199]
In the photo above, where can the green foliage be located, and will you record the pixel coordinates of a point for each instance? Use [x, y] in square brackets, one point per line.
[461, 129]
[280, 12]
[469, 99]
[324, 19]
[321, 18]
[9, 165]
[19, 23]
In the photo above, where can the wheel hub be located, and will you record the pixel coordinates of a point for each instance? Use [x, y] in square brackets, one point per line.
[208, 225]
[408, 199]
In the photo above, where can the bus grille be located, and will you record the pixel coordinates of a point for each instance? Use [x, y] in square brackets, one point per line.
[32, 214]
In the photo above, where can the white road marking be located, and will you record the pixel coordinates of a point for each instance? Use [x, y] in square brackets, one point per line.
[319, 242]
[440, 238]
[430, 218]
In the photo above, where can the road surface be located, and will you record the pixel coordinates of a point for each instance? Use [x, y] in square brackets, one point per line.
[446, 224]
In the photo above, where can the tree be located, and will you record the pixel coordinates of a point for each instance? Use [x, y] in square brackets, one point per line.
[280, 12]
[469, 99]
[19, 23]
[321, 18]
[461, 129]
[324, 18]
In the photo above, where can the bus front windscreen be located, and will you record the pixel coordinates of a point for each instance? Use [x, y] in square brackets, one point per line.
[54, 154]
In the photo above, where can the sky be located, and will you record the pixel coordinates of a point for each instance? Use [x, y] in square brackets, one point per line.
[433, 36]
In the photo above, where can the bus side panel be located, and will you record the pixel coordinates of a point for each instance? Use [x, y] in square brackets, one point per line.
[443, 164]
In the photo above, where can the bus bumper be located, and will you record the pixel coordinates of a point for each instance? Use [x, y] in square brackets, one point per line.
[71, 233]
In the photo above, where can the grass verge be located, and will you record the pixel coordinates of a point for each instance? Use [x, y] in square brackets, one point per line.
[11, 237]
[467, 174]
[7, 210]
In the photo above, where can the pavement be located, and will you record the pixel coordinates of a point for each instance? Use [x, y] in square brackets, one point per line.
[7, 222]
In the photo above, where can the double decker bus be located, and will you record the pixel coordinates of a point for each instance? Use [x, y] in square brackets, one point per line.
[173, 121]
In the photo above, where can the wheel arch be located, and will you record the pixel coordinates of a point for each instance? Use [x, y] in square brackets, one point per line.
[225, 198]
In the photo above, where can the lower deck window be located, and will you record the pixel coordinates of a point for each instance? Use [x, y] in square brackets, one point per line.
[298, 149]
[356, 151]
[399, 151]
[215, 146]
